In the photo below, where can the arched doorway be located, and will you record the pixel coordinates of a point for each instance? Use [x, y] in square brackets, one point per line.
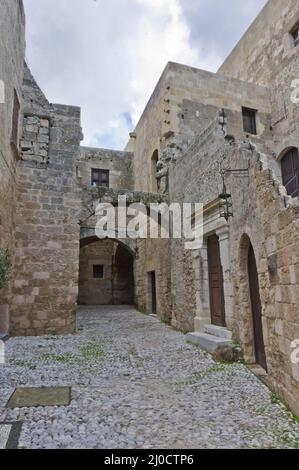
[290, 171]
[256, 309]
[106, 273]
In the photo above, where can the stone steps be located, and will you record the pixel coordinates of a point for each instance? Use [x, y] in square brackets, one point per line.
[208, 342]
[218, 331]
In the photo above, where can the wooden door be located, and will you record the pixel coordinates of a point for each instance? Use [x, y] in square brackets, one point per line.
[256, 307]
[290, 172]
[216, 282]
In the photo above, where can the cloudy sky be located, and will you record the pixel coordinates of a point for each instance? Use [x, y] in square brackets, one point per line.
[107, 55]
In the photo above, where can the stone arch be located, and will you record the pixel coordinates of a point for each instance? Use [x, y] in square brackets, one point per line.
[285, 147]
[246, 332]
[88, 235]
[93, 239]
[116, 283]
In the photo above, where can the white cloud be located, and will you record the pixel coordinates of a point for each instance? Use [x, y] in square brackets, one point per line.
[107, 56]
[162, 35]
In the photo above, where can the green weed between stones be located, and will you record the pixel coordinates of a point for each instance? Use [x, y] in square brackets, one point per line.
[64, 358]
[90, 352]
[277, 399]
[27, 364]
[5, 266]
[199, 376]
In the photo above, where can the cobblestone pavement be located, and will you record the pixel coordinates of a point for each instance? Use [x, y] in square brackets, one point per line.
[136, 383]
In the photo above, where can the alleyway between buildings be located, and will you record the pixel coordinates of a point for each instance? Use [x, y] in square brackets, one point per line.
[137, 383]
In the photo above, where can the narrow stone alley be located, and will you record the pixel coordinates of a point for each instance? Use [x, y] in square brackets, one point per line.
[137, 383]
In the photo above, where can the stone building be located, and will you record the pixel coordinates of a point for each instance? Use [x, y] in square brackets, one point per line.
[228, 140]
[12, 53]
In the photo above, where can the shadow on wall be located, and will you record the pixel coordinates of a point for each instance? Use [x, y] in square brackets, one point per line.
[106, 273]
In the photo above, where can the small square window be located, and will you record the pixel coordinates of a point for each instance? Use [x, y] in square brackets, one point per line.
[249, 120]
[99, 178]
[295, 34]
[98, 271]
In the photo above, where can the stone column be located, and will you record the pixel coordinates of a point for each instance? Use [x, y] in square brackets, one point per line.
[200, 264]
[223, 235]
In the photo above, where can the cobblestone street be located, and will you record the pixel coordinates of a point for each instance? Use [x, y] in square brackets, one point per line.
[136, 383]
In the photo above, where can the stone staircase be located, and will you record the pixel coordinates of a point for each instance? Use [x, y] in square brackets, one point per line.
[213, 338]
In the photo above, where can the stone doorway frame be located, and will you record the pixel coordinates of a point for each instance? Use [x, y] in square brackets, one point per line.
[245, 319]
[213, 224]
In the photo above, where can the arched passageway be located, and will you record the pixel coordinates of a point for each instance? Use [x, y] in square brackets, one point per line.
[106, 273]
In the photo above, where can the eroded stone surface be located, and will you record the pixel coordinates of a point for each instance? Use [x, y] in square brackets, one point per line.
[137, 384]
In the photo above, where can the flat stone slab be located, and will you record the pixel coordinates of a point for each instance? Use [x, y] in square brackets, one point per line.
[207, 342]
[9, 435]
[218, 331]
[45, 396]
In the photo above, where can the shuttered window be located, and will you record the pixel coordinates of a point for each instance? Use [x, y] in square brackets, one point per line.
[99, 178]
[249, 120]
[290, 172]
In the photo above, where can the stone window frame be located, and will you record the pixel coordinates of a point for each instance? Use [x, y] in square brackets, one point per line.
[254, 120]
[99, 180]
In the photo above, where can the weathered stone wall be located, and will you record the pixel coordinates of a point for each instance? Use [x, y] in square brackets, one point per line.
[185, 102]
[117, 285]
[119, 164]
[182, 105]
[196, 177]
[267, 47]
[47, 221]
[267, 55]
[36, 137]
[12, 52]
[264, 217]
[272, 228]
[154, 256]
